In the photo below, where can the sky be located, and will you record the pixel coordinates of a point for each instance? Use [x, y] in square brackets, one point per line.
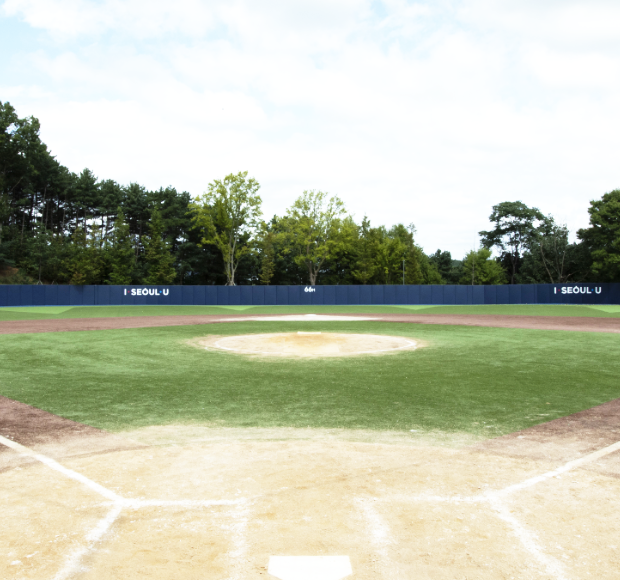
[411, 112]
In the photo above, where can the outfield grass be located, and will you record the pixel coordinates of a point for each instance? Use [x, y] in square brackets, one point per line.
[56, 312]
[482, 381]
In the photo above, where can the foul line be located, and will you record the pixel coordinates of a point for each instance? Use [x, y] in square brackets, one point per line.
[108, 494]
[560, 470]
[73, 563]
[494, 498]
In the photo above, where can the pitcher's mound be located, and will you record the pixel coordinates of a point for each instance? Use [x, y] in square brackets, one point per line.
[308, 344]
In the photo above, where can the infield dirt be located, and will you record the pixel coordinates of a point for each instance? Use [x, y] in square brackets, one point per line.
[307, 344]
[583, 324]
[400, 511]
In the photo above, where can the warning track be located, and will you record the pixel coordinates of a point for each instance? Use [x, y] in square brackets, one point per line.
[576, 323]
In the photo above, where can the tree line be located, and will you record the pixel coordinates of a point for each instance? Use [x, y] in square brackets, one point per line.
[58, 227]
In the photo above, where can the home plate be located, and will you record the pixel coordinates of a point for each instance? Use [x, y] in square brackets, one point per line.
[310, 567]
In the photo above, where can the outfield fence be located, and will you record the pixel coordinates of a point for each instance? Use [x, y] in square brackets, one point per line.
[57, 295]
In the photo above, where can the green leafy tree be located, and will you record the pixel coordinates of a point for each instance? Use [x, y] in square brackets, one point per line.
[267, 245]
[390, 258]
[314, 230]
[159, 260]
[552, 258]
[337, 269]
[122, 257]
[450, 270]
[418, 270]
[227, 216]
[87, 196]
[5, 211]
[515, 227]
[109, 199]
[443, 263]
[285, 269]
[480, 268]
[603, 236]
[367, 244]
[428, 271]
[84, 264]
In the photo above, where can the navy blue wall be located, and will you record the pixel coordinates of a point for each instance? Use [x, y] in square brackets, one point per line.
[308, 295]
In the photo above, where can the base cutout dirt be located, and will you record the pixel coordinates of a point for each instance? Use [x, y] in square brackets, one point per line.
[305, 344]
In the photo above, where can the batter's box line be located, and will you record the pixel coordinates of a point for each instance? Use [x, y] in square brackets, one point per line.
[494, 500]
[526, 537]
[73, 562]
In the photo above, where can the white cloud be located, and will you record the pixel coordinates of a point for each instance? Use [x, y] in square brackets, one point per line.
[73, 18]
[409, 111]
[572, 71]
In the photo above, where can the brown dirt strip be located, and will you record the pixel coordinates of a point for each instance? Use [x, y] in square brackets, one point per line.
[577, 323]
[582, 324]
[562, 439]
[73, 324]
[53, 435]
[565, 439]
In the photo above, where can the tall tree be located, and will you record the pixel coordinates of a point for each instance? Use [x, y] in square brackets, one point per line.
[480, 268]
[367, 244]
[443, 262]
[267, 245]
[314, 230]
[87, 196]
[418, 269]
[285, 269]
[159, 260]
[515, 226]
[122, 257]
[85, 262]
[110, 198]
[603, 236]
[227, 215]
[552, 258]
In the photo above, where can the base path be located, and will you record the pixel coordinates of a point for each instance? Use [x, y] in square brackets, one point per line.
[562, 439]
[211, 510]
[53, 435]
[574, 323]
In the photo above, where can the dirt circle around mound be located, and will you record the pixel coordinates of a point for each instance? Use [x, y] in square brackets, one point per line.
[308, 344]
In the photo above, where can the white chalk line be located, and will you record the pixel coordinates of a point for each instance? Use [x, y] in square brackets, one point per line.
[526, 537]
[237, 554]
[380, 537]
[560, 470]
[93, 486]
[528, 540]
[494, 499]
[73, 562]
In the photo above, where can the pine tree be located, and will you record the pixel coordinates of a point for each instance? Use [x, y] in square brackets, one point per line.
[158, 257]
[122, 252]
[84, 265]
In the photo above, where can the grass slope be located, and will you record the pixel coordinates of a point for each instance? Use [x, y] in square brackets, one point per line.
[56, 312]
[483, 381]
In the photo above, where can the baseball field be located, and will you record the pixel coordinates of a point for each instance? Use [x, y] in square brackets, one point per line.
[195, 442]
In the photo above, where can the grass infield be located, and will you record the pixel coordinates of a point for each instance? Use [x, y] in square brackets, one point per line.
[481, 381]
